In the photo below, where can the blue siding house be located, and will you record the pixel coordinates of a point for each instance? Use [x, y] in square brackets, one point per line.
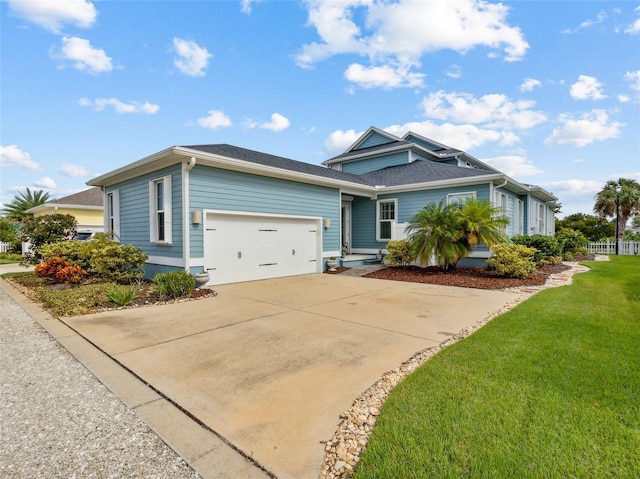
[244, 215]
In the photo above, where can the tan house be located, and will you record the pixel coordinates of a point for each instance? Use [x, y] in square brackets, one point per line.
[86, 206]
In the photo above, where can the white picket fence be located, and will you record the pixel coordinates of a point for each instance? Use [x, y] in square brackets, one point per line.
[4, 247]
[609, 247]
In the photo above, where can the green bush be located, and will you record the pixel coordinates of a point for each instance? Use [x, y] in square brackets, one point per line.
[573, 242]
[42, 230]
[174, 284]
[400, 253]
[512, 260]
[549, 249]
[114, 261]
[71, 250]
[122, 295]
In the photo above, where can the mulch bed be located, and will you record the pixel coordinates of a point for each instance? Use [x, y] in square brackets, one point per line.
[479, 278]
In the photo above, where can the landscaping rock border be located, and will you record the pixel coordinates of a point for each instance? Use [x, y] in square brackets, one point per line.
[342, 451]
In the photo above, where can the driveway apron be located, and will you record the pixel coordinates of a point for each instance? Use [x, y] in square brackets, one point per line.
[270, 365]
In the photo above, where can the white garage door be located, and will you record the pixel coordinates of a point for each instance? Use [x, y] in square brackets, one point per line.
[245, 248]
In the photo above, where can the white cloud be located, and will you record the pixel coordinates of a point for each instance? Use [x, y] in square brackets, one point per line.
[464, 137]
[11, 155]
[587, 87]
[385, 76]
[398, 34]
[278, 123]
[529, 84]
[216, 119]
[75, 171]
[512, 165]
[634, 28]
[624, 98]
[191, 58]
[246, 6]
[634, 79]
[590, 127]
[493, 110]
[46, 182]
[99, 104]
[53, 14]
[85, 58]
[339, 140]
[454, 71]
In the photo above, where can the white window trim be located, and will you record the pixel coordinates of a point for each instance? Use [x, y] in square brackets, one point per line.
[112, 211]
[153, 217]
[393, 221]
[451, 196]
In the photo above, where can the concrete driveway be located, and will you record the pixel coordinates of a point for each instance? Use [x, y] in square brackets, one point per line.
[270, 365]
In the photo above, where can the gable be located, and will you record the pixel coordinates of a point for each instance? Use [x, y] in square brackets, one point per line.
[374, 138]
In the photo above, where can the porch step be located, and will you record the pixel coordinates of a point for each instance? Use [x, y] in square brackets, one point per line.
[352, 260]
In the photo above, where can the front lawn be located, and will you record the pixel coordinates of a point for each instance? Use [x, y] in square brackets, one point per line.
[10, 258]
[549, 389]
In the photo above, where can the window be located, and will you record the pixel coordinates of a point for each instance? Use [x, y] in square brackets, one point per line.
[160, 210]
[112, 214]
[541, 220]
[459, 198]
[386, 219]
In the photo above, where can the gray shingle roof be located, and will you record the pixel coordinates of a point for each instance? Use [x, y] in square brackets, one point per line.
[90, 197]
[266, 159]
[420, 171]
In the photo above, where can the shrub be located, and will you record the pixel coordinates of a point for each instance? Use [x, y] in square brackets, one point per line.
[512, 260]
[61, 270]
[174, 284]
[41, 230]
[122, 295]
[71, 250]
[114, 261]
[573, 242]
[549, 249]
[400, 253]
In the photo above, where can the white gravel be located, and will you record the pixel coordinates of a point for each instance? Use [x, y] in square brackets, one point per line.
[58, 421]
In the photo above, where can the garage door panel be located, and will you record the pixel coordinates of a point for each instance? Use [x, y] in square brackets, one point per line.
[245, 248]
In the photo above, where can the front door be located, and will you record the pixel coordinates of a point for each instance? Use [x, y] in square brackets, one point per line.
[345, 224]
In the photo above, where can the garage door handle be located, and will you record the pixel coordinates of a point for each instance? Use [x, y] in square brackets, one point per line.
[293, 252]
[239, 254]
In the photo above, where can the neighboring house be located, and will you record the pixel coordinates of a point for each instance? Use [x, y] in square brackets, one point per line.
[86, 206]
[245, 215]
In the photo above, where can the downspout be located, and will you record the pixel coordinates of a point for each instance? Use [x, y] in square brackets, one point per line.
[186, 236]
[494, 188]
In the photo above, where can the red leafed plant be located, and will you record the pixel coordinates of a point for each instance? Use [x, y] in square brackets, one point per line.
[61, 270]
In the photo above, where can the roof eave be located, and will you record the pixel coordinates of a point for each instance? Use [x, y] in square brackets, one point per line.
[440, 184]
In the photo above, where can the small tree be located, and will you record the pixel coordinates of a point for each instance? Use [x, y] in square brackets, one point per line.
[9, 233]
[627, 200]
[41, 230]
[435, 231]
[451, 231]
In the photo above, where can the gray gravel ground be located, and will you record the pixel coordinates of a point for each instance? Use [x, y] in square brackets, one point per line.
[58, 421]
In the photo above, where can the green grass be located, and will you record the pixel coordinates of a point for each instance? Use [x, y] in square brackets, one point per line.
[10, 258]
[549, 389]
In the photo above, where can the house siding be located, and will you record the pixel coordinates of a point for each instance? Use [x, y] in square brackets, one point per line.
[409, 203]
[219, 189]
[374, 139]
[360, 167]
[134, 212]
[423, 144]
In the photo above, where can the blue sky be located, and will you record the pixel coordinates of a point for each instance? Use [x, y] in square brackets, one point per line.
[548, 92]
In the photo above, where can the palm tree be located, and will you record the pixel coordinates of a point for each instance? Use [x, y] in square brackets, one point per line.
[482, 223]
[450, 232]
[628, 201]
[16, 209]
[435, 230]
